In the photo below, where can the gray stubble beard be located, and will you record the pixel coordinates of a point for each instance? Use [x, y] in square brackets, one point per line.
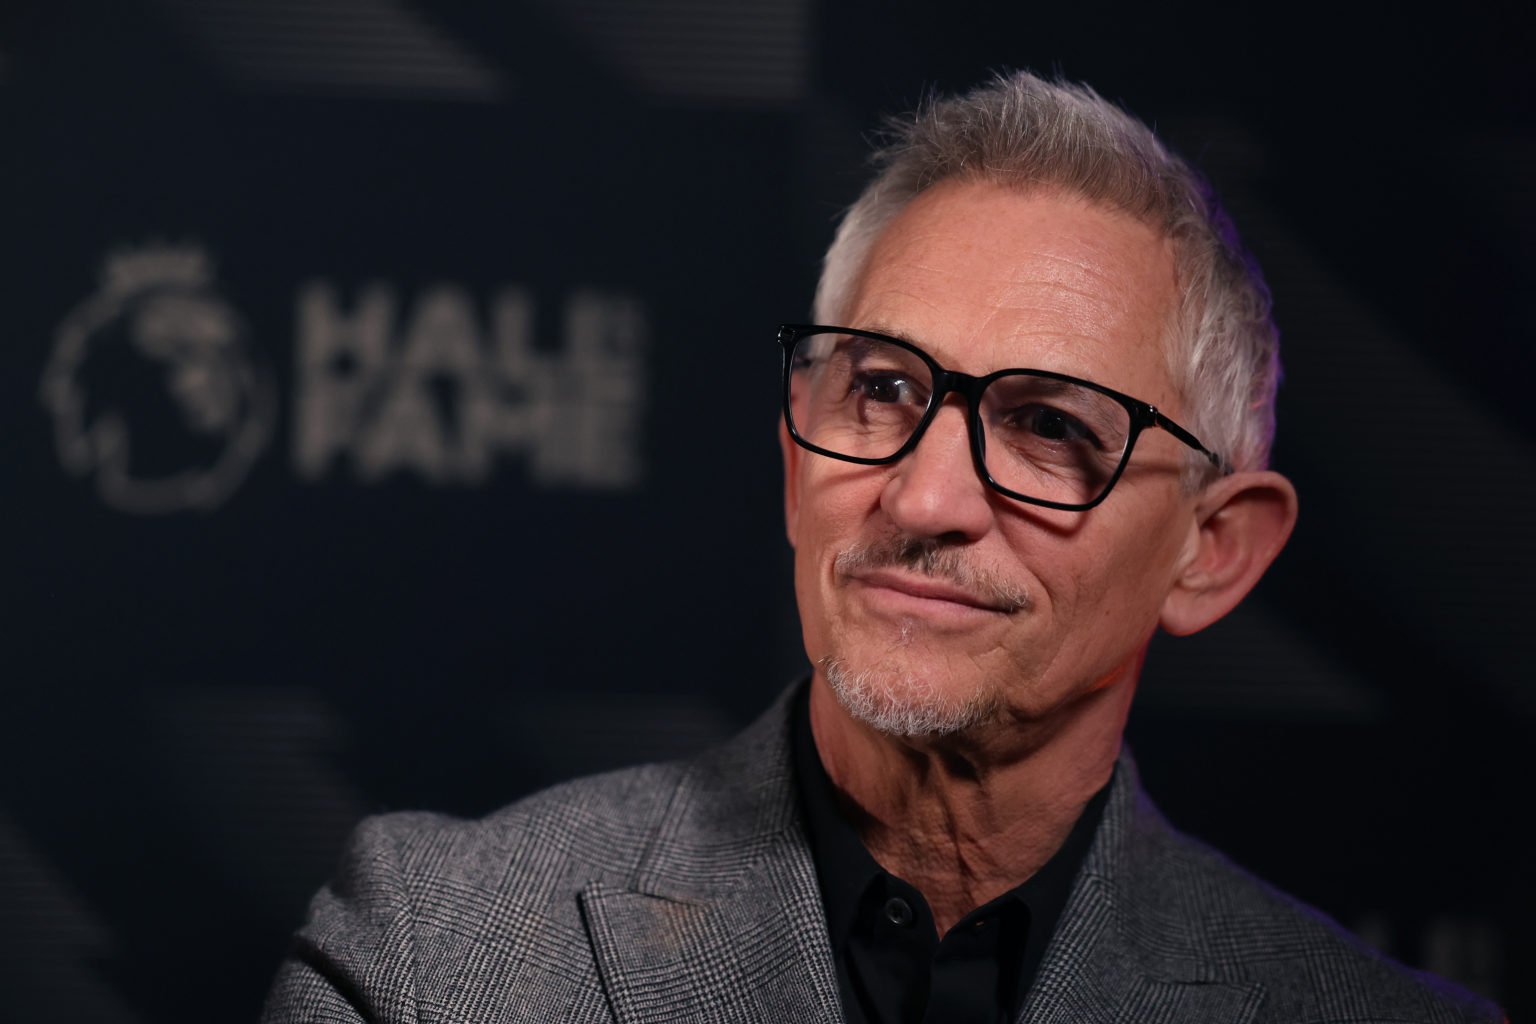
[897, 702]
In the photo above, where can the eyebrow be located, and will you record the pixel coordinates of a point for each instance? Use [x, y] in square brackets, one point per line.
[879, 327]
[890, 332]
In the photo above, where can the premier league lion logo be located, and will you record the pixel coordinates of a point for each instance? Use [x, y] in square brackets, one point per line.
[155, 390]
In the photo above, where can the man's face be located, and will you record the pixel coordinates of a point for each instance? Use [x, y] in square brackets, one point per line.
[1016, 610]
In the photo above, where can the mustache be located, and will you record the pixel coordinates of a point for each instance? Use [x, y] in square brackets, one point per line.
[937, 560]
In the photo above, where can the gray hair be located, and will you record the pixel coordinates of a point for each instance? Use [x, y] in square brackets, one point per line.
[1024, 132]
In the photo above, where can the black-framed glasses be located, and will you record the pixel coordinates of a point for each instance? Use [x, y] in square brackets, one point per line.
[1037, 436]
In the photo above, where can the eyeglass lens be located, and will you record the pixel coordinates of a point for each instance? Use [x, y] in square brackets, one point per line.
[1043, 438]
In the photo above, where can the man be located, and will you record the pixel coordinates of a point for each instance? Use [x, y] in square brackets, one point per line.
[1037, 433]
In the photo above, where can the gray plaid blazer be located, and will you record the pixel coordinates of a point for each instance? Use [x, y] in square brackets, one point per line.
[687, 892]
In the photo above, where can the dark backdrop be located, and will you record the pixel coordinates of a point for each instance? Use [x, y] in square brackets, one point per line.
[388, 421]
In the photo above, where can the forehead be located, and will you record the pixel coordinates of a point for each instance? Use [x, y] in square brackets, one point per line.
[986, 277]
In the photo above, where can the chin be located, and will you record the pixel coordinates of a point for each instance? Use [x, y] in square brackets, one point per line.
[894, 699]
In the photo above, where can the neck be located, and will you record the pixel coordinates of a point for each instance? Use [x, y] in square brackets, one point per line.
[967, 818]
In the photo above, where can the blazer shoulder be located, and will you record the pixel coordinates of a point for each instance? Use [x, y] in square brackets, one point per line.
[479, 918]
[1310, 967]
[596, 827]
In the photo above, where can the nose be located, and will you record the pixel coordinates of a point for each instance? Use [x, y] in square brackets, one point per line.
[935, 492]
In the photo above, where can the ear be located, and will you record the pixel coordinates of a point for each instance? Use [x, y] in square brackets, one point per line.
[792, 453]
[1242, 521]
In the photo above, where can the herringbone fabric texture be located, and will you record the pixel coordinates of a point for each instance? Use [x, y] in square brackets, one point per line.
[687, 893]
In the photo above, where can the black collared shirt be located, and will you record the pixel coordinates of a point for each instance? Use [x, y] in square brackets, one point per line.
[892, 967]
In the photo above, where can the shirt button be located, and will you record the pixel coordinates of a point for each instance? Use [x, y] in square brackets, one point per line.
[898, 912]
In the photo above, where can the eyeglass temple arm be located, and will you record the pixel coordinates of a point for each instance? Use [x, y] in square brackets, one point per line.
[1188, 438]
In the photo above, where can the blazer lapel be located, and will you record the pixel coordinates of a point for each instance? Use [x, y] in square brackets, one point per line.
[1091, 974]
[723, 919]
[1121, 950]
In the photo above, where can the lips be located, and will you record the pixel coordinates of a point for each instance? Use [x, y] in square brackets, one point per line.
[901, 586]
[906, 576]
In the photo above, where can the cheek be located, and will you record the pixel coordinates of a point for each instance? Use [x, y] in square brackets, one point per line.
[1101, 585]
[1133, 581]
[838, 508]
[837, 502]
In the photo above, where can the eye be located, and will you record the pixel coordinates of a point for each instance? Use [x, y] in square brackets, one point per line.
[886, 388]
[1053, 424]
